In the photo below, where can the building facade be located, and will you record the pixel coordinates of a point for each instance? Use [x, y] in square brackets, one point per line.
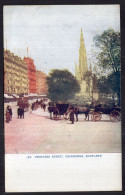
[15, 74]
[31, 74]
[41, 85]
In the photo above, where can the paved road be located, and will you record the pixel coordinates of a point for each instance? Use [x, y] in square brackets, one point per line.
[36, 133]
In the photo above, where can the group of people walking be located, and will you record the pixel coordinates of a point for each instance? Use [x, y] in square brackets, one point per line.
[9, 113]
[20, 110]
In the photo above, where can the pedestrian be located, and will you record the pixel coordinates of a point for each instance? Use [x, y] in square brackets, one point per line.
[72, 116]
[50, 109]
[10, 111]
[7, 116]
[44, 107]
[32, 107]
[76, 111]
[19, 112]
[22, 112]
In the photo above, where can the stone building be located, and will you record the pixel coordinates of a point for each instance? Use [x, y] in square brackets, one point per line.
[15, 74]
[31, 74]
[41, 86]
[82, 72]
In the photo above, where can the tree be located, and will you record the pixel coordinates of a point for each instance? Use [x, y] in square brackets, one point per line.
[109, 44]
[114, 83]
[109, 61]
[62, 85]
[103, 85]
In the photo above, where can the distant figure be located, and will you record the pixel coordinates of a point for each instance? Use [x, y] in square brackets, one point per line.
[19, 112]
[50, 109]
[22, 112]
[44, 107]
[10, 111]
[32, 107]
[72, 116]
[7, 116]
[76, 111]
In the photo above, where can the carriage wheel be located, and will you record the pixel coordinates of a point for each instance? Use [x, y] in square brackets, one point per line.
[115, 116]
[96, 116]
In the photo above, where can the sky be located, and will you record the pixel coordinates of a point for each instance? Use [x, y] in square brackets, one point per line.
[52, 32]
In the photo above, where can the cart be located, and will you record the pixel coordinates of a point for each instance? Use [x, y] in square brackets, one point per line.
[57, 110]
[113, 112]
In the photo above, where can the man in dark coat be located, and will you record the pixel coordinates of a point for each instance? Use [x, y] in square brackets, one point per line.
[32, 107]
[72, 116]
[19, 112]
[10, 111]
[76, 111]
[22, 112]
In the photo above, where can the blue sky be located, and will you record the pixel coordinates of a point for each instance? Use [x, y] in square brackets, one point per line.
[52, 32]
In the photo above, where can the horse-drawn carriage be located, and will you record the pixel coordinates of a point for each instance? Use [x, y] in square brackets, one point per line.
[23, 103]
[95, 112]
[57, 110]
[111, 110]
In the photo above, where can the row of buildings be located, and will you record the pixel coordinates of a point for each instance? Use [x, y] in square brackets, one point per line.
[21, 76]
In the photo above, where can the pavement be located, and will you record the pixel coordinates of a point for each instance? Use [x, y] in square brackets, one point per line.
[37, 133]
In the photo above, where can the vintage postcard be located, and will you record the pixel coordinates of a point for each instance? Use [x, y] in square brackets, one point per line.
[62, 109]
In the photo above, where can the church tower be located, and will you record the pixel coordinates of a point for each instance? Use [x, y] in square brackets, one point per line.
[82, 58]
[83, 74]
[82, 68]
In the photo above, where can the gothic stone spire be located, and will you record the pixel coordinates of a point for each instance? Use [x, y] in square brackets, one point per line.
[82, 58]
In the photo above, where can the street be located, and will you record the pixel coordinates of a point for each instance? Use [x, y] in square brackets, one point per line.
[37, 133]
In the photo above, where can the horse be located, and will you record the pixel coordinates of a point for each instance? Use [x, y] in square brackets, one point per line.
[84, 110]
[51, 110]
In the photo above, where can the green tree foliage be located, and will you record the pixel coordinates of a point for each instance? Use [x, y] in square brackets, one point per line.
[109, 60]
[109, 44]
[103, 85]
[62, 85]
